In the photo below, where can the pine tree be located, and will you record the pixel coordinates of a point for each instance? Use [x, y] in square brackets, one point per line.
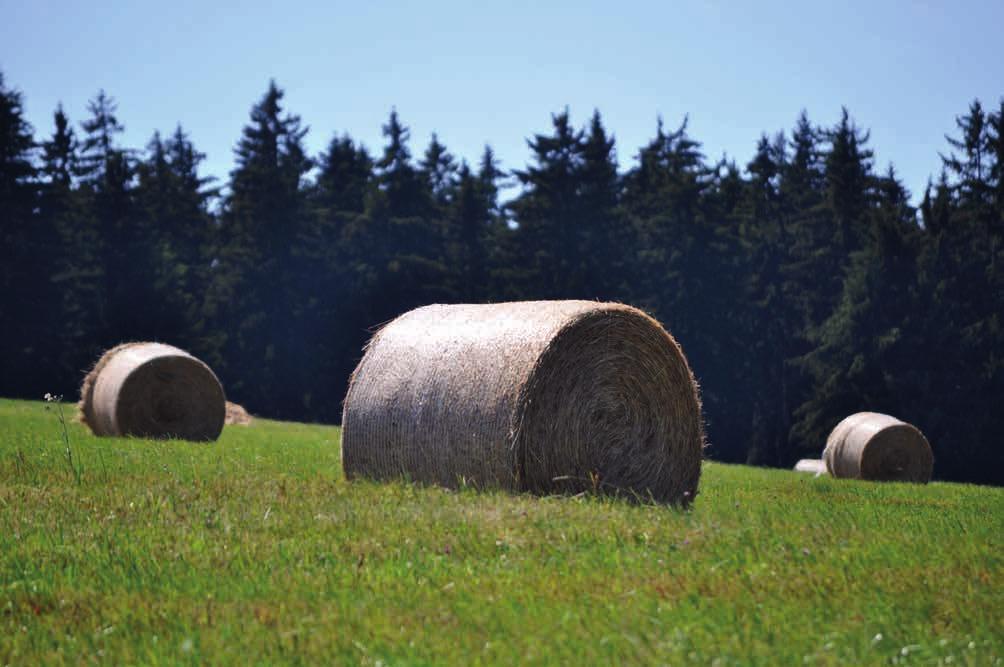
[500, 242]
[173, 210]
[775, 318]
[690, 272]
[23, 247]
[866, 352]
[961, 328]
[107, 174]
[256, 297]
[77, 278]
[401, 243]
[972, 168]
[550, 240]
[468, 223]
[346, 171]
[848, 179]
[440, 171]
[607, 244]
[338, 304]
[398, 180]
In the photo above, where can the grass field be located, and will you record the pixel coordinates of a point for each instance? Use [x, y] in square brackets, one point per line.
[255, 550]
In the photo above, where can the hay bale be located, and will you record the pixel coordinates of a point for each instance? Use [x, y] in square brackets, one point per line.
[870, 445]
[237, 415]
[152, 390]
[816, 467]
[546, 396]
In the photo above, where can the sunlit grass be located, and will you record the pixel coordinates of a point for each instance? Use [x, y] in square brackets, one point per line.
[254, 549]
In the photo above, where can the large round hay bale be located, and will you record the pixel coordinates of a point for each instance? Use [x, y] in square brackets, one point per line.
[871, 445]
[545, 397]
[152, 390]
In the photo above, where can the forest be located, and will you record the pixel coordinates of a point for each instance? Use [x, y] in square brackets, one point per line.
[803, 286]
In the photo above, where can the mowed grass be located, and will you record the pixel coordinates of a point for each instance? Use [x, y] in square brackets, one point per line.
[255, 550]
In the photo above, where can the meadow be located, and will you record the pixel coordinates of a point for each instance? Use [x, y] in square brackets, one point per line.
[256, 550]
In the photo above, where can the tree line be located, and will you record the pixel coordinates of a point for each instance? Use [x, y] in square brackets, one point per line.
[803, 286]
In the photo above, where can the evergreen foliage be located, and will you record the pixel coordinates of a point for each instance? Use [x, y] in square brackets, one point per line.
[803, 286]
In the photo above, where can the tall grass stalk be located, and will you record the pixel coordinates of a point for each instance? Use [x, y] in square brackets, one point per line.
[75, 466]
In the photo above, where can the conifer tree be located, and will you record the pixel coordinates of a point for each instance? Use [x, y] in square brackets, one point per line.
[23, 246]
[256, 298]
[607, 243]
[440, 171]
[77, 277]
[973, 167]
[338, 308]
[867, 349]
[500, 242]
[400, 183]
[343, 181]
[172, 202]
[767, 237]
[689, 271]
[550, 240]
[469, 224]
[402, 242]
[107, 172]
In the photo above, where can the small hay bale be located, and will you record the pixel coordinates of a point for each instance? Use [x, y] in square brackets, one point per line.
[152, 390]
[545, 397]
[237, 415]
[874, 446]
[815, 466]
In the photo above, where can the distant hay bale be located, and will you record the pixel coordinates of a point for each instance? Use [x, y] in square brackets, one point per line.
[870, 445]
[152, 390]
[815, 466]
[545, 397]
[237, 415]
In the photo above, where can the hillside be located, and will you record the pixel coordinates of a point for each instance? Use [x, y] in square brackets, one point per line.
[254, 549]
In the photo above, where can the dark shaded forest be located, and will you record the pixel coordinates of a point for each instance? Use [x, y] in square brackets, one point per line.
[803, 286]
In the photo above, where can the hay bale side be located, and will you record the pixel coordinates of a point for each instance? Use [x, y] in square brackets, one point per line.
[874, 446]
[152, 390]
[237, 415]
[547, 396]
[816, 467]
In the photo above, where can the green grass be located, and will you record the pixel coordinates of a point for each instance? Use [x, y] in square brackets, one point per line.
[254, 549]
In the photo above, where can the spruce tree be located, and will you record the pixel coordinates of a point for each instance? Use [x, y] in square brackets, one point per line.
[468, 224]
[256, 297]
[867, 350]
[401, 241]
[345, 174]
[500, 248]
[107, 173]
[550, 240]
[23, 248]
[173, 210]
[690, 272]
[765, 232]
[440, 171]
[338, 306]
[607, 243]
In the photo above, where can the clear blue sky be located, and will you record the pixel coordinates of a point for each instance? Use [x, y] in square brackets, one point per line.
[494, 72]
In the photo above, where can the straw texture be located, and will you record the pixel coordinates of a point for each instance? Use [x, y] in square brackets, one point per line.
[871, 445]
[546, 396]
[237, 415]
[152, 390]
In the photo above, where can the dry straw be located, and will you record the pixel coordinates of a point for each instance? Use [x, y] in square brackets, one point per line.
[237, 415]
[870, 445]
[546, 396]
[152, 390]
